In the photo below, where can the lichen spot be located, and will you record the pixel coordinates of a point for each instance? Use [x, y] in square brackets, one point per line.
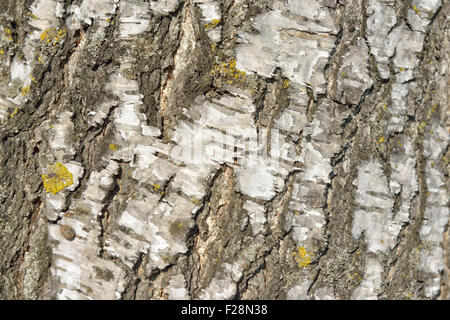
[25, 90]
[67, 232]
[303, 257]
[16, 110]
[57, 178]
[213, 24]
[113, 147]
[195, 201]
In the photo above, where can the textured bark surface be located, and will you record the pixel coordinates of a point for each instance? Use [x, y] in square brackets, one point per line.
[224, 149]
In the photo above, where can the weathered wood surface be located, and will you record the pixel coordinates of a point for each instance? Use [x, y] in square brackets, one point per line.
[219, 149]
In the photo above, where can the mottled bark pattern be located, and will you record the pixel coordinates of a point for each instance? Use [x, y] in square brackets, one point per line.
[102, 196]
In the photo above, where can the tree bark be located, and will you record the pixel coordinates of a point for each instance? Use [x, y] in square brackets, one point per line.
[224, 149]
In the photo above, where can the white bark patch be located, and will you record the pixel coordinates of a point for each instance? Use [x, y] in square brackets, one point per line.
[430, 6]
[402, 41]
[353, 76]
[300, 291]
[257, 216]
[257, 181]
[380, 21]
[374, 215]
[436, 215]
[177, 288]
[125, 115]
[224, 285]
[371, 284]
[291, 38]
[90, 10]
[324, 293]
[62, 131]
[407, 45]
[223, 131]
[78, 268]
[211, 17]
[81, 273]
[47, 13]
[164, 6]
[398, 108]
[404, 177]
[305, 213]
[134, 19]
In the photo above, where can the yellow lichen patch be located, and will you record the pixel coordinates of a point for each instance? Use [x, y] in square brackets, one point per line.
[432, 111]
[113, 147]
[213, 24]
[286, 84]
[416, 9]
[57, 178]
[2, 51]
[303, 257]
[195, 201]
[53, 35]
[16, 110]
[44, 34]
[29, 14]
[157, 188]
[25, 90]
[408, 296]
[381, 140]
[445, 160]
[384, 106]
[355, 276]
[229, 71]
[422, 126]
[8, 34]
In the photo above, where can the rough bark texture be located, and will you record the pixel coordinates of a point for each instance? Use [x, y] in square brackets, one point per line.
[220, 149]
